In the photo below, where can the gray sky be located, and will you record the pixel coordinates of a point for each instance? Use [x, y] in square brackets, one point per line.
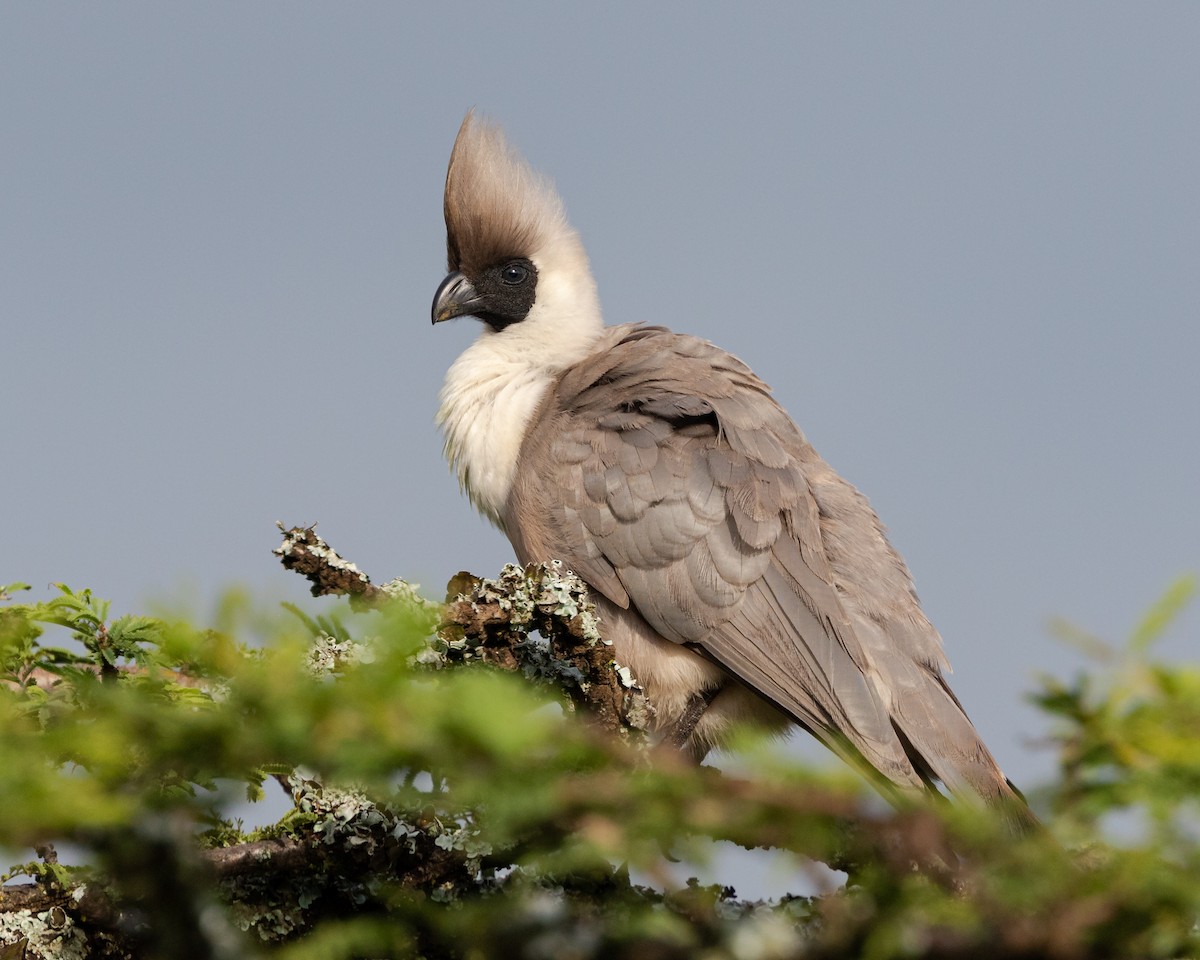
[960, 240]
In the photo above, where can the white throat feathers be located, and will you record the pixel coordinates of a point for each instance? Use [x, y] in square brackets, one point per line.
[487, 401]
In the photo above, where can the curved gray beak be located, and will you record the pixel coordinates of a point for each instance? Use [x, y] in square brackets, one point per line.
[455, 297]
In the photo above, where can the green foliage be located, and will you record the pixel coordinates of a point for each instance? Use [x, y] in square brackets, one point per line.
[461, 812]
[1130, 731]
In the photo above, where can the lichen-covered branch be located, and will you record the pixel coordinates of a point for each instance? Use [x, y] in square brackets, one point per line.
[343, 847]
[537, 621]
[311, 557]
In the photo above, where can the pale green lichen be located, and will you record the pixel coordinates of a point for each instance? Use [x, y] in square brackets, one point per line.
[347, 818]
[47, 934]
[512, 592]
[521, 595]
[329, 655]
[557, 593]
[463, 836]
[432, 656]
[272, 909]
[409, 594]
[567, 596]
[638, 712]
[294, 538]
[341, 817]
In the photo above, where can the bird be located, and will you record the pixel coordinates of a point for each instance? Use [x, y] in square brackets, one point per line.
[735, 573]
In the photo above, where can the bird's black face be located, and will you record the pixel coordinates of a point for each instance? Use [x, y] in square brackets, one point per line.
[500, 296]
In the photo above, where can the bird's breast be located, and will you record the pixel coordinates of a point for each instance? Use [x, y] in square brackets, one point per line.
[487, 403]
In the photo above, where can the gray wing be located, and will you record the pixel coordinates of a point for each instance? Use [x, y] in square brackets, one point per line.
[666, 475]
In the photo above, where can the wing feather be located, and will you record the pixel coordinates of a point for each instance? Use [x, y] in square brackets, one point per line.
[662, 470]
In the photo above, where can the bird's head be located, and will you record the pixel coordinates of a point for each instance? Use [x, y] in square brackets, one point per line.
[515, 263]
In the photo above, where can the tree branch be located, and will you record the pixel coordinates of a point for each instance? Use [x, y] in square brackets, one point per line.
[495, 621]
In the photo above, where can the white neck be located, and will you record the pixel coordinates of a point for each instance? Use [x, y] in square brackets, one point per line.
[493, 389]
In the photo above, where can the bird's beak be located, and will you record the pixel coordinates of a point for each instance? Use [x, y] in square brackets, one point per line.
[455, 297]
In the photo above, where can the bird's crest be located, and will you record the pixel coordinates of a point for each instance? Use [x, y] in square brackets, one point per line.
[496, 205]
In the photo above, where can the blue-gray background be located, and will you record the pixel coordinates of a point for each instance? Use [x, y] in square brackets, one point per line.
[962, 241]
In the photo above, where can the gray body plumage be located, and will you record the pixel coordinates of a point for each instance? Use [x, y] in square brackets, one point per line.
[727, 558]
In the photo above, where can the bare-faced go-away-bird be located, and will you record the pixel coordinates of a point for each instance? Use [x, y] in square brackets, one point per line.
[735, 573]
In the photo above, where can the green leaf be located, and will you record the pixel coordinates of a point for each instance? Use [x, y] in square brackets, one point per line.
[128, 631]
[1164, 612]
[8, 589]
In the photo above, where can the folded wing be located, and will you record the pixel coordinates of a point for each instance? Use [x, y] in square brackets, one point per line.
[665, 474]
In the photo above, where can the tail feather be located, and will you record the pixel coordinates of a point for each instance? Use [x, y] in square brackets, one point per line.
[940, 740]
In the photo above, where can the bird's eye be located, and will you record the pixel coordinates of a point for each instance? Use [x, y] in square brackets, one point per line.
[513, 273]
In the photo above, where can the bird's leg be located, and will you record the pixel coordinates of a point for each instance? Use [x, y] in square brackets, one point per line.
[680, 732]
